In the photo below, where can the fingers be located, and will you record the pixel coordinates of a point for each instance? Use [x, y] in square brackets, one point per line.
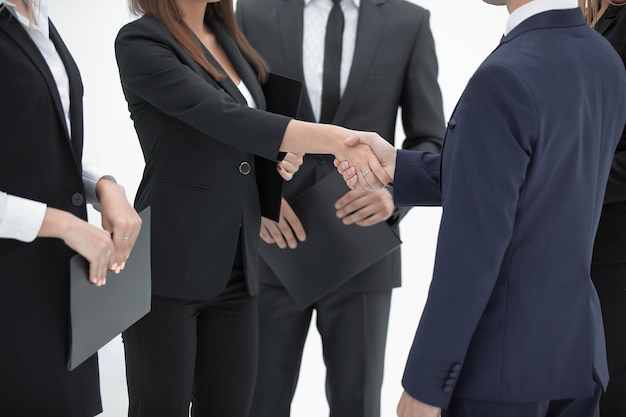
[290, 165]
[365, 209]
[98, 268]
[347, 172]
[278, 233]
[95, 245]
[121, 220]
[286, 232]
[125, 228]
[382, 157]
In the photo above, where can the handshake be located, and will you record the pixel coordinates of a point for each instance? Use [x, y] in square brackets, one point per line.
[364, 159]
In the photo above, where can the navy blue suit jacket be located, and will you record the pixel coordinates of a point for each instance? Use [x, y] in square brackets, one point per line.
[512, 314]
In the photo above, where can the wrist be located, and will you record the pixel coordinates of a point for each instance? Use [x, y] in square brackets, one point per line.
[57, 223]
[107, 186]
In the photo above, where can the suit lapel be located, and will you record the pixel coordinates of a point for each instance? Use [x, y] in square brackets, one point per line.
[290, 15]
[371, 24]
[242, 67]
[76, 93]
[13, 28]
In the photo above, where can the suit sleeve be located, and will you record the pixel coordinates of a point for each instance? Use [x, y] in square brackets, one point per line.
[422, 115]
[487, 152]
[422, 108]
[416, 178]
[151, 70]
[616, 186]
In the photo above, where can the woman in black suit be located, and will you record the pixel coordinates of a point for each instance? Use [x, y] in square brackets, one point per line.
[43, 219]
[608, 269]
[193, 87]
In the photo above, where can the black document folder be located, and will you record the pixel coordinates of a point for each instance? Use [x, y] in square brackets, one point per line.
[282, 94]
[99, 314]
[303, 271]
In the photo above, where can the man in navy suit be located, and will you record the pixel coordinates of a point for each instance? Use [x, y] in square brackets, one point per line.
[512, 324]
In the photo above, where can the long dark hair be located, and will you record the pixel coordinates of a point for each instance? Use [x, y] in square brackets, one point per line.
[168, 14]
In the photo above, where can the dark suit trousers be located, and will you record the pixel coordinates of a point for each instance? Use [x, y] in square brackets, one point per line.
[580, 407]
[202, 352]
[353, 328]
[610, 282]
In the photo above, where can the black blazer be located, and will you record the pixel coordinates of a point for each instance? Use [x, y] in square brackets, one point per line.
[610, 244]
[39, 161]
[394, 66]
[209, 158]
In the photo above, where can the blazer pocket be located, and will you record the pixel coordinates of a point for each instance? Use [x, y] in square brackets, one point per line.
[184, 184]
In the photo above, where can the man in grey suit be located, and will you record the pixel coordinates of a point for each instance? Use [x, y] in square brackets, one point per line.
[387, 62]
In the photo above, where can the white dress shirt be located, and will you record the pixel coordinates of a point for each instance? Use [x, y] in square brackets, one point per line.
[21, 218]
[315, 17]
[243, 89]
[535, 7]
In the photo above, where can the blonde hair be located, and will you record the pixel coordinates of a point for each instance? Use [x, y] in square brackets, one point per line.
[32, 5]
[591, 8]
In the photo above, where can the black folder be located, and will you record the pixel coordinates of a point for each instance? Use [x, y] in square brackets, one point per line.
[353, 248]
[99, 314]
[282, 94]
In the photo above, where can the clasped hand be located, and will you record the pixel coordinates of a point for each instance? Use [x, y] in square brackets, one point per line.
[367, 161]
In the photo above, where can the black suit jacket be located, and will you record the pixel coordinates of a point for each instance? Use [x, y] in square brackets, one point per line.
[394, 66]
[208, 158]
[39, 160]
[610, 244]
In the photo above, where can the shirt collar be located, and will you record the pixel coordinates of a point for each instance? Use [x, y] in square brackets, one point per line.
[535, 7]
[357, 3]
[41, 17]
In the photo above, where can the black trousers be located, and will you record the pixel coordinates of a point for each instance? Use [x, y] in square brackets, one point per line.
[353, 328]
[579, 407]
[198, 352]
[610, 282]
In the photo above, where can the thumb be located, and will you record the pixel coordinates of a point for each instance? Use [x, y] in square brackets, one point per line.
[352, 140]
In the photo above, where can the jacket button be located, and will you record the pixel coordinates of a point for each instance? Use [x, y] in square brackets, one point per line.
[244, 168]
[78, 199]
[321, 160]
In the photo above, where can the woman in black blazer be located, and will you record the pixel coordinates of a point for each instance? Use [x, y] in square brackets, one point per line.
[193, 87]
[608, 269]
[43, 219]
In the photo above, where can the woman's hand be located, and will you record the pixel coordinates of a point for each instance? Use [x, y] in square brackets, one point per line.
[93, 243]
[290, 165]
[120, 219]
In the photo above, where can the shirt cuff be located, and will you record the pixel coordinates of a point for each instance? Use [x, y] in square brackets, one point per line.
[22, 219]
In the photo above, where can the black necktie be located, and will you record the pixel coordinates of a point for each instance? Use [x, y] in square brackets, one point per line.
[332, 63]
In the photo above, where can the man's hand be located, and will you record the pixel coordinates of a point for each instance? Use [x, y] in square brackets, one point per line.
[287, 232]
[365, 209]
[410, 407]
[355, 174]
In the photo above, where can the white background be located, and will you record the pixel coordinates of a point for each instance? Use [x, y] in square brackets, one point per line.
[465, 32]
